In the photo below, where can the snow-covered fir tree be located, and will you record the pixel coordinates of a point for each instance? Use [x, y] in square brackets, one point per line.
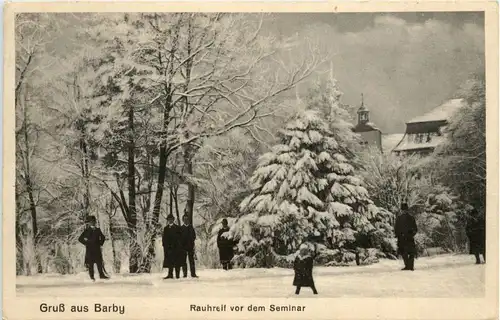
[306, 185]
[326, 97]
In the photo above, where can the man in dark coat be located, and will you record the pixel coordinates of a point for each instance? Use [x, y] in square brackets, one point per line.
[406, 229]
[188, 237]
[225, 246]
[92, 238]
[303, 266]
[171, 248]
[477, 235]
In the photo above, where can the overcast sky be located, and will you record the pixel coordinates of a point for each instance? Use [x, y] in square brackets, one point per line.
[405, 64]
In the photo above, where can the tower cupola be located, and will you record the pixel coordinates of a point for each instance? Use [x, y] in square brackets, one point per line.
[363, 113]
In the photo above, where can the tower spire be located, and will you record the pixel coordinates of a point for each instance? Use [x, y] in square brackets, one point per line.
[363, 112]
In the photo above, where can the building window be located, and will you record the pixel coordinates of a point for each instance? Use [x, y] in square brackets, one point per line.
[363, 116]
[419, 138]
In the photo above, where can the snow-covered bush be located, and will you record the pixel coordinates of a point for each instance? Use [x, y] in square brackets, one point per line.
[439, 221]
[284, 261]
[343, 258]
[327, 255]
[368, 256]
[422, 241]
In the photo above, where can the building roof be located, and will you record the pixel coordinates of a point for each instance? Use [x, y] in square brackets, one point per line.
[366, 127]
[441, 113]
[363, 108]
[432, 121]
[390, 141]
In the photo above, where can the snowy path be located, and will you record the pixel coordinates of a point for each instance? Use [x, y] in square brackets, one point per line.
[441, 276]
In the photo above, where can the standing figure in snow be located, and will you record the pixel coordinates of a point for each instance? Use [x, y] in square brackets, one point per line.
[92, 238]
[406, 229]
[188, 236]
[225, 246]
[477, 236]
[171, 248]
[303, 266]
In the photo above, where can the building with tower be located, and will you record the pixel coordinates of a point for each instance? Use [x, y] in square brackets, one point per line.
[371, 135]
[424, 133]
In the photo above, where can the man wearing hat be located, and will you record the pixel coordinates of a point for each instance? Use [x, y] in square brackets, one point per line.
[406, 229]
[93, 238]
[171, 248]
[188, 237]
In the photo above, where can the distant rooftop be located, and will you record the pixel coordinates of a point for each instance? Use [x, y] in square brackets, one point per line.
[441, 113]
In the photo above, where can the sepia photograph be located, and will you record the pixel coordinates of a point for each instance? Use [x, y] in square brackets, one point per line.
[220, 154]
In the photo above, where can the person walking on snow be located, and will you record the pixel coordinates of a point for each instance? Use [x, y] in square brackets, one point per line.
[225, 246]
[405, 230]
[188, 237]
[171, 248]
[303, 266]
[93, 238]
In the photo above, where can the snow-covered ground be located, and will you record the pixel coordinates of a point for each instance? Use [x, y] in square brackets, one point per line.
[440, 276]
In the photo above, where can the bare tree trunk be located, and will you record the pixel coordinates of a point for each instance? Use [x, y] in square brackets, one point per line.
[19, 250]
[147, 203]
[29, 189]
[171, 202]
[132, 211]
[176, 202]
[116, 259]
[153, 228]
[188, 149]
[148, 261]
[19, 240]
[85, 155]
[162, 171]
[111, 214]
[188, 163]
[34, 225]
[85, 176]
[67, 267]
